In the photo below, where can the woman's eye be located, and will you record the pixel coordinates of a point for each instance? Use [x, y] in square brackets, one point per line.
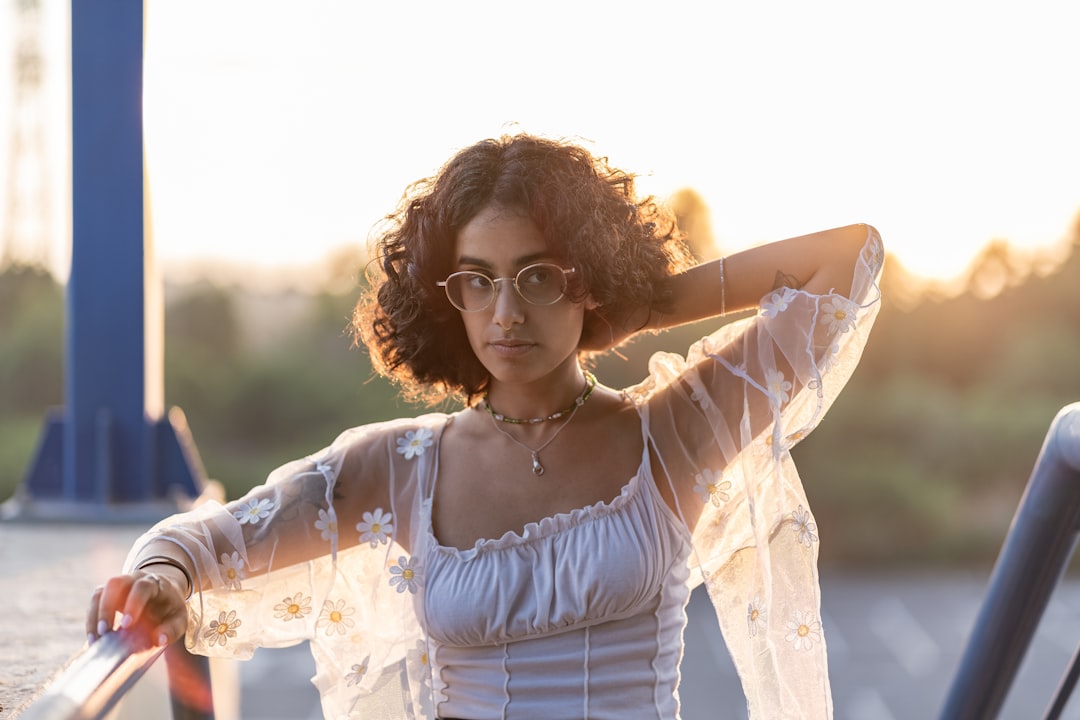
[536, 276]
[476, 281]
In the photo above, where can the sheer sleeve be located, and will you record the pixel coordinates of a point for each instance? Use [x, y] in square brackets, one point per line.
[325, 551]
[720, 424]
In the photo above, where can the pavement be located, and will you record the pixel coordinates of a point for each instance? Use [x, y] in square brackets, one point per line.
[894, 640]
[47, 572]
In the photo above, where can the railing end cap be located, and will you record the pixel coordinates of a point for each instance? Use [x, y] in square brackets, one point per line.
[1064, 434]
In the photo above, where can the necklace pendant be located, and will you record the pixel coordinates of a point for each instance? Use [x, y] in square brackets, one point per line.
[537, 468]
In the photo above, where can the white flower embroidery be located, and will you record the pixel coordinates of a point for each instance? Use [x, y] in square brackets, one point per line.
[253, 511]
[839, 313]
[777, 302]
[777, 386]
[293, 608]
[327, 523]
[420, 654]
[376, 527]
[804, 527]
[335, 617]
[711, 486]
[222, 629]
[875, 254]
[756, 617]
[419, 660]
[406, 575]
[803, 630]
[414, 442]
[358, 672]
[232, 570]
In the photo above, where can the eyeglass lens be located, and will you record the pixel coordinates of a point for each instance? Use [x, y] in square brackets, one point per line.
[539, 284]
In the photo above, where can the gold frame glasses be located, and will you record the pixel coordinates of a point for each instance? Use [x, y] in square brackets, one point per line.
[537, 284]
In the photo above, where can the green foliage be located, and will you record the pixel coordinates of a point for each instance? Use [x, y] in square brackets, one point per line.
[921, 461]
[31, 337]
[18, 437]
[924, 457]
[252, 410]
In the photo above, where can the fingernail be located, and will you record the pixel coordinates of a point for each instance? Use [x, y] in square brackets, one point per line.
[125, 621]
[90, 638]
[162, 640]
[102, 628]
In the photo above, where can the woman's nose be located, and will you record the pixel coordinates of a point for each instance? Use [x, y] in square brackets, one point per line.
[508, 304]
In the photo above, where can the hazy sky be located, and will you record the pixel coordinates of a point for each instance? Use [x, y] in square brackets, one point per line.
[279, 129]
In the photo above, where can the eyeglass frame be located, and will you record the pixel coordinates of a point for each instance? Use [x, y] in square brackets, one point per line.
[444, 284]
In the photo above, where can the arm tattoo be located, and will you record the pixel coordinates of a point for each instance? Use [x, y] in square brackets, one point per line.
[785, 280]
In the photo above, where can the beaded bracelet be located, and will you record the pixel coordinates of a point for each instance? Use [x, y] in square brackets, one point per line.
[166, 560]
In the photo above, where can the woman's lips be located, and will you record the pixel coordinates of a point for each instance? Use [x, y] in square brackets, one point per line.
[511, 348]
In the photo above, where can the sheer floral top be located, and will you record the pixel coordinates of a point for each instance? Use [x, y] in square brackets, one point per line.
[336, 548]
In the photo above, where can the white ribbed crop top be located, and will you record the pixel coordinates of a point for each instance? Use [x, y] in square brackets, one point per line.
[579, 616]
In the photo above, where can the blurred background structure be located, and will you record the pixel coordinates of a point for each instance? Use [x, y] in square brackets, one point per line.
[263, 181]
[111, 452]
[27, 232]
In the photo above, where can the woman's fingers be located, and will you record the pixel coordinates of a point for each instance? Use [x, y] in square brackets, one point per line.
[110, 601]
[147, 588]
[152, 609]
[128, 600]
[171, 629]
[92, 614]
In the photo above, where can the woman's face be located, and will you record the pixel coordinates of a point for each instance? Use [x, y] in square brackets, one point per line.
[515, 340]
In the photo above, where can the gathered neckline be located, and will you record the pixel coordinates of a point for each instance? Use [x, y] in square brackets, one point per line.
[539, 529]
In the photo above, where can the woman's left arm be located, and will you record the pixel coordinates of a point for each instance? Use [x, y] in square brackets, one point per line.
[752, 377]
[819, 263]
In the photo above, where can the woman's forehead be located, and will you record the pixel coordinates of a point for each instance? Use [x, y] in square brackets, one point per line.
[501, 236]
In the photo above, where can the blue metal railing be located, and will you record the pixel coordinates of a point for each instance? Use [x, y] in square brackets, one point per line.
[1035, 555]
[98, 677]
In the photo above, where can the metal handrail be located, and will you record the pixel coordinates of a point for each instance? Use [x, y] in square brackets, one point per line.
[96, 679]
[1035, 554]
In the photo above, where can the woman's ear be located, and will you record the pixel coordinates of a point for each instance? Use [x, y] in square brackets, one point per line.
[591, 304]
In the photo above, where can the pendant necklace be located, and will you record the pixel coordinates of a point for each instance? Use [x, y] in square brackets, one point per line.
[537, 467]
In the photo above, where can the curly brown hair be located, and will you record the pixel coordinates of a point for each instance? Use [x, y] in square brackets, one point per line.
[623, 247]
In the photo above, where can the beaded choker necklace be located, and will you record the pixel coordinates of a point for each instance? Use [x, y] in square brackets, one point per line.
[590, 385]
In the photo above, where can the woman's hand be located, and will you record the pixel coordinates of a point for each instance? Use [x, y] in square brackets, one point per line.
[149, 604]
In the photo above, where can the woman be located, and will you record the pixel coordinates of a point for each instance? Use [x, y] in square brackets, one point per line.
[532, 554]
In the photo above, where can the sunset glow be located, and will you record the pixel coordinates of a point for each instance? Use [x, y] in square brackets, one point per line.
[277, 131]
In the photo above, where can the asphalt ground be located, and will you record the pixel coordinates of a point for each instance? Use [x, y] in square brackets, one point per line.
[894, 640]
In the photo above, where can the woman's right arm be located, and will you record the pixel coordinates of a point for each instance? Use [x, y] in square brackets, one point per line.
[292, 518]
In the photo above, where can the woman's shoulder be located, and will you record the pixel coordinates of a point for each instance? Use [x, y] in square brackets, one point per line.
[382, 443]
[385, 430]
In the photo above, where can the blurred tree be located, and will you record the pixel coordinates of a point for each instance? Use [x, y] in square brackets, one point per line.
[31, 340]
[922, 461]
[203, 320]
[925, 457]
[692, 217]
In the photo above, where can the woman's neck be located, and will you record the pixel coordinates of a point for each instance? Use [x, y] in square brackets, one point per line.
[538, 400]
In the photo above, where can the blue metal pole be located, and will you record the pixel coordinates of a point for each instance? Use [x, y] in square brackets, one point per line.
[107, 315]
[1035, 554]
[112, 450]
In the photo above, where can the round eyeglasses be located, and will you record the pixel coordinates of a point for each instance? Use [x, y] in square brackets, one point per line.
[538, 284]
